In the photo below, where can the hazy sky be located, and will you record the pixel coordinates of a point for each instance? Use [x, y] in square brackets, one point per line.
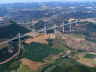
[12, 1]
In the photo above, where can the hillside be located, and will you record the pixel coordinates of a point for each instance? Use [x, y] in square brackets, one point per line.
[11, 31]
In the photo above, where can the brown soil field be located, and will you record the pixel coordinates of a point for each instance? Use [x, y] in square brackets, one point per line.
[86, 61]
[32, 64]
[40, 39]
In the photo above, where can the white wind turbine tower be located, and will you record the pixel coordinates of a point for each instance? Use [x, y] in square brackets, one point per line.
[45, 28]
[33, 29]
[55, 30]
[70, 27]
[63, 27]
[19, 35]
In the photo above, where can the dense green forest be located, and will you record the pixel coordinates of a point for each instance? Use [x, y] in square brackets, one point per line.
[11, 31]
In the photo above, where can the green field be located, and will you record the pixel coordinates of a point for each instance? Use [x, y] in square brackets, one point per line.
[68, 65]
[38, 52]
[90, 56]
[35, 52]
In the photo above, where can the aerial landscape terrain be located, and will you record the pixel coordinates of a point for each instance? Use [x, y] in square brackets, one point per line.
[48, 36]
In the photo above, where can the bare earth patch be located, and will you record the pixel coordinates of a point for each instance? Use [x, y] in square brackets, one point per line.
[40, 39]
[31, 64]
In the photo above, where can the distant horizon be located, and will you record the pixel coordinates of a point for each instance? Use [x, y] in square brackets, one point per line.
[38, 1]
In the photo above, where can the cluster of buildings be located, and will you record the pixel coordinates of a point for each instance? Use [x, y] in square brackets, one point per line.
[4, 22]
